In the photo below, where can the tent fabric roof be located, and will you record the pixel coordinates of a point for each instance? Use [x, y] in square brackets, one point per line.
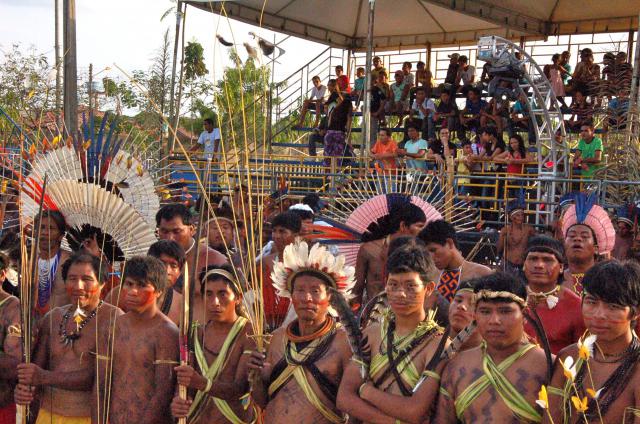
[416, 23]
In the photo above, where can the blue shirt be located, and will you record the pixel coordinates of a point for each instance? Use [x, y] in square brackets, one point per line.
[414, 147]
[475, 108]
[358, 84]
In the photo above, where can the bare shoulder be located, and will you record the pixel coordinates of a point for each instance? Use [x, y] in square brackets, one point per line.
[478, 269]
[277, 338]
[164, 326]
[536, 357]
[108, 308]
[372, 332]
[464, 358]
[571, 350]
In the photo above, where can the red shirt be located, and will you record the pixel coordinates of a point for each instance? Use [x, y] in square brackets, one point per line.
[275, 307]
[563, 324]
[343, 83]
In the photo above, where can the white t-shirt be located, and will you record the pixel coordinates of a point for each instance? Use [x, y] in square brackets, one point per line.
[414, 147]
[318, 92]
[208, 139]
[467, 75]
[409, 79]
[427, 104]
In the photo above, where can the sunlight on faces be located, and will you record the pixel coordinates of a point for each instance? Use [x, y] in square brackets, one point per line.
[310, 297]
[173, 269]
[174, 229]
[220, 234]
[82, 285]
[139, 295]
[579, 242]
[411, 230]
[50, 235]
[608, 321]
[542, 269]
[461, 310]
[221, 301]
[282, 237]
[501, 324]
[441, 254]
[406, 292]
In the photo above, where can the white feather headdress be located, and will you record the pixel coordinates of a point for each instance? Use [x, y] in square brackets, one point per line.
[298, 258]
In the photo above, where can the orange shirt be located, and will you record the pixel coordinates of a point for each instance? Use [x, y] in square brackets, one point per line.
[389, 147]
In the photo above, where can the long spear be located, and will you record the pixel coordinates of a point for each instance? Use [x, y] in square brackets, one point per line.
[184, 333]
[28, 274]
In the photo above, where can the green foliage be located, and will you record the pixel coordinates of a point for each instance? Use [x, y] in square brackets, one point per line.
[122, 93]
[194, 65]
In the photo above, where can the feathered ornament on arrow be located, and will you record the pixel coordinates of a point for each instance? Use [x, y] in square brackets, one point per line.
[223, 41]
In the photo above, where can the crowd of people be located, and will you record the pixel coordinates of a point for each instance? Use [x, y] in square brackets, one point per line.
[413, 332]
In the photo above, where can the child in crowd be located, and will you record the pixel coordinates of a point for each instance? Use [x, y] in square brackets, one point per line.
[358, 86]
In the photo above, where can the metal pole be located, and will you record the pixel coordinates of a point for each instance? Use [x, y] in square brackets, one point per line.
[169, 146]
[90, 89]
[366, 107]
[634, 98]
[70, 68]
[58, 67]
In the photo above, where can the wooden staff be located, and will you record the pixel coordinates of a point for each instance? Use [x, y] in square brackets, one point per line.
[184, 334]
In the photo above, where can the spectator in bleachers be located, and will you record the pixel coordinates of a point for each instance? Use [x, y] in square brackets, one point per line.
[446, 113]
[338, 124]
[566, 68]
[516, 157]
[409, 79]
[452, 72]
[587, 72]
[358, 86]
[421, 113]
[424, 77]
[520, 119]
[378, 100]
[617, 111]
[343, 80]
[554, 72]
[493, 145]
[400, 92]
[497, 111]
[416, 149]
[588, 156]
[317, 98]
[581, 112]
[466, 74]
[465, 166]
[377, 68]
[385, 151]
[442, 148]
[470, 117]
[623, 67]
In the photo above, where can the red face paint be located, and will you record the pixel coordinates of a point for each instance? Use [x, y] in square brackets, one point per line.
[148, 297]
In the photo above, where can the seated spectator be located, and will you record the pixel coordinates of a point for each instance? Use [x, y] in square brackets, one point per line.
[470, 117]
[581, 112]
[400, 92]
[409, 80]
[318, 92]
[554, 73]
[466, 74]
[358, 86]
[588, 156]
[617, 111]
[497, 111]
[385, 151]
[343, 80]
[493, 147]
[424, 77]
[377, 68]
[416, 149]
[485, 78]
[452, 72]
[465, 166]
[446, 112]
[421, 113]
[565, 67]
[379, 97]
[442, 148]
[520, 119]
[585, 74]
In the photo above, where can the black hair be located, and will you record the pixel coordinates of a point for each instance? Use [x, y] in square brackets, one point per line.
[208, 121]
[147, 269]
[360, 69]
[170, 211]
[422, 89]
[438, 232]
[501, 281]
[521, 148]
[339, 67]
[467, 284]
[463, 59]
[614, 282]
[5, 261]
[302, 213]
[224, 267]
[288, 220]
[411, 258]
[398, 242]
[466, 143]
[420, 63]
[407, 64]
[386, 130]
[489, 130]
[407, 213]
[555, 56]
[332, 81]
[313, 201]
[169, 248]
[99, 267]
[413, 126]
[317, 274]
[546, 244]
[58, 219]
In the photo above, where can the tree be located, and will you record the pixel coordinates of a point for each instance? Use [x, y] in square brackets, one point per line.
[121, 93]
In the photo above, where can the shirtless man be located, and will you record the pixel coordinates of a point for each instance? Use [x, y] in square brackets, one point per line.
[610, 304]
[297, 381]
[558, 307]
[10, 347]
[624, 235]
[499, 381]
[221, 374]
[68, 340]
[51, 291]
[395, 370]
[145, 349]
[175, 222]
[462, 314]
[408, 220]
[441, 240]
[512, 242]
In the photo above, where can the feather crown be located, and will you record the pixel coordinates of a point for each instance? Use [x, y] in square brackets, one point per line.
[298, 258]
[585, 211]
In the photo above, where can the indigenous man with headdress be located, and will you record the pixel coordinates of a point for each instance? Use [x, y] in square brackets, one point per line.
[626, 216]
[462, 317]
[68, 340]
[442, 242]
[588, 232]
[403, 220]
[565, 201]
[145, 350]
[405, 346]
[598, 379]
[298, 379]
[10, 346]
[558, 307]
[220, 375]
[512, 242]
[499, 381]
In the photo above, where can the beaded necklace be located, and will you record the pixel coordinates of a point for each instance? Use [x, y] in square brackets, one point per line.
[68, 339]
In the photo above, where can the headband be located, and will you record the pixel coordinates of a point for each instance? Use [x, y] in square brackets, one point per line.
[328, 279]
[516, 210]
[504, 295]
[226, 274]
[223, 218]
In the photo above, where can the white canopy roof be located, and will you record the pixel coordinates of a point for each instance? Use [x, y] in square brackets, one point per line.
[415, 23]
